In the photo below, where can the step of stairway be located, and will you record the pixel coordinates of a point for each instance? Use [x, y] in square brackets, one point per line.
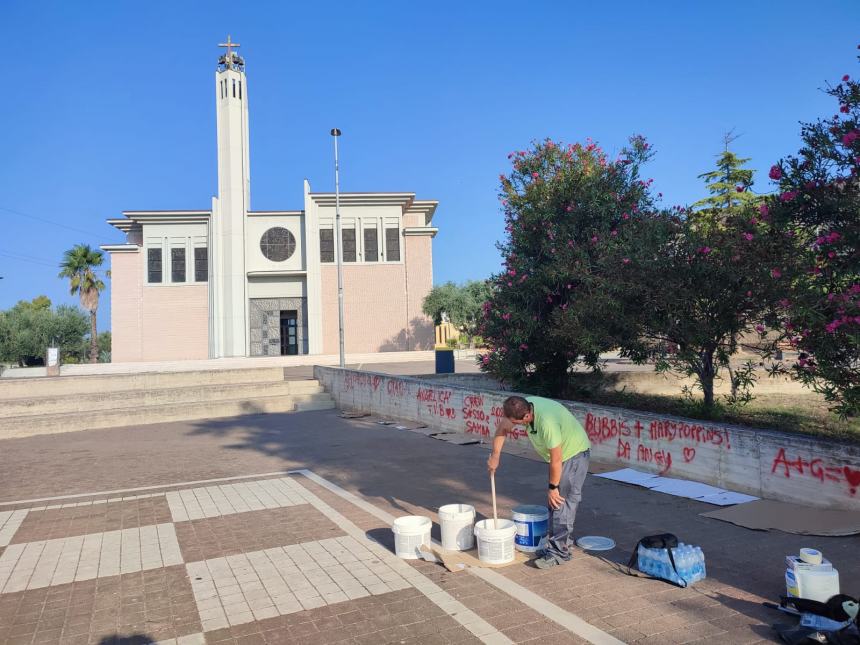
[19, 388]
[94, 402]
[30, 425]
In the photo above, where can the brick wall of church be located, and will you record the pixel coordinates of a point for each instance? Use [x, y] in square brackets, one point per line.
[155, 323]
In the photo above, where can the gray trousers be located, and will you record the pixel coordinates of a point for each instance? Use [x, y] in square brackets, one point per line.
[560, 529]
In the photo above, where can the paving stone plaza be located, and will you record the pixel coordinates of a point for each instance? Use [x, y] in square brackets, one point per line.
[276, 529]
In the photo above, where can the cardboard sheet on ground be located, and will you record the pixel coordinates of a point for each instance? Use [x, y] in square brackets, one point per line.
[678, 487]
[766, 514]
[630, 476]
[459, 560]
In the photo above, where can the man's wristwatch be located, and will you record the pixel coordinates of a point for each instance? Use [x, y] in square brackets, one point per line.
[553, 486]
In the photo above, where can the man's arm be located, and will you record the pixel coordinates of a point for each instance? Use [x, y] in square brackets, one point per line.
[498, 441]
[554, 498]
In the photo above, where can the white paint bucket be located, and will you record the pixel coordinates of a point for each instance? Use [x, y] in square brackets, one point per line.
[458, 522]
[410, 532]
[531, 521]
[495, 545]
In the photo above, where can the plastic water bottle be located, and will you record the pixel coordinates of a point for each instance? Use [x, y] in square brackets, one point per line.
[701, 558]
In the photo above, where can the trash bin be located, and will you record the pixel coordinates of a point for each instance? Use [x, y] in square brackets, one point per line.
[444, 361]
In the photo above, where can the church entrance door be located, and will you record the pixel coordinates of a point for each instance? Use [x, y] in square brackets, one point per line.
[289, 333]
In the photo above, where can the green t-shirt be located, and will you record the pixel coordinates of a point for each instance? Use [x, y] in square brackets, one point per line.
[554, 426]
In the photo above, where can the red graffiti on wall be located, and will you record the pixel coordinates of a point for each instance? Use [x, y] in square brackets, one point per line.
[477, 421]
[660, 458]
[356, 380]
[396, 388]
[817, 468]
[668, 430]
[601, 429]
[437, 401]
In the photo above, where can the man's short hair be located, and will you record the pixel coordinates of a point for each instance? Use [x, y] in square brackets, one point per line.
[515, 408]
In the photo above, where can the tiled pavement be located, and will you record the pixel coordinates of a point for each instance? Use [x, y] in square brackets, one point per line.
[283, 566]
[176, 562]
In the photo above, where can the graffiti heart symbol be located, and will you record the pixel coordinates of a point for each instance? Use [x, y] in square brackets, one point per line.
[689, 454]
[853, 477]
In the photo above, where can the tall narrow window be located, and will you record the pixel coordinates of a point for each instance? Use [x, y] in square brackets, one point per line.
[326, 245]
[371, 245]
[177, 265]
[234, 88]
[221, 88]
[201, 264]
[348, 244]
[240, 90]
[153, 265]
[392, 245]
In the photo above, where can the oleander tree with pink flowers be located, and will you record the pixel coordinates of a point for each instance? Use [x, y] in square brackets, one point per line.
[818, 202]
[564, 207]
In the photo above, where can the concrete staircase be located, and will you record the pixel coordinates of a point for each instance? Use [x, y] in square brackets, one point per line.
[34, 406]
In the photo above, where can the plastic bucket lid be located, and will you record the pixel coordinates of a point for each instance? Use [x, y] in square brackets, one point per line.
[412, 525]
[531, 510]
[461, 512]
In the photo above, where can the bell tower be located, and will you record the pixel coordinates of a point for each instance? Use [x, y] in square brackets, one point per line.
[228, 284]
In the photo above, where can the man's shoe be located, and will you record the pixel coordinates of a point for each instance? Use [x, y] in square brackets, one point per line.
[547, 562]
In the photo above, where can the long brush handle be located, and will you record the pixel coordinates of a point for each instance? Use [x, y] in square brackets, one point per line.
[493, 489]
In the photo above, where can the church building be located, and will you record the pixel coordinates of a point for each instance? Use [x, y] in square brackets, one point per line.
[229, 281]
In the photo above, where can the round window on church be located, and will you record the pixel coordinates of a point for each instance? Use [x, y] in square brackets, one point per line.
[278, 244]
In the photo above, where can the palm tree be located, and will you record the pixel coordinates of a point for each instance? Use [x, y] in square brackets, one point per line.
[78, 266]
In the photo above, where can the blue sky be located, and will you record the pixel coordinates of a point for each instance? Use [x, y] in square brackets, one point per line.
[109, 106]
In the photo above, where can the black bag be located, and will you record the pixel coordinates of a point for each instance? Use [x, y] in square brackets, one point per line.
[667, 541]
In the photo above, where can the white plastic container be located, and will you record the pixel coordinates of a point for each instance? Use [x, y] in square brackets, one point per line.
[458, 524]
[531, 522]
[495, 545]
[818, 585]
[410, 532]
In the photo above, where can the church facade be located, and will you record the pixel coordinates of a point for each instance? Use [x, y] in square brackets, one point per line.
[230, 282]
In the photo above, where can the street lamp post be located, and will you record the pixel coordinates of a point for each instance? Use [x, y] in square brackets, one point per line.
[335, 133]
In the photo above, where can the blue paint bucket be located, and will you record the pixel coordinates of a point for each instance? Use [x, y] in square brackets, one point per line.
[531, 522]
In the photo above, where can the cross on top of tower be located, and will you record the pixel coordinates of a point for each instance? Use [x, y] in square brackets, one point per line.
[231, 58]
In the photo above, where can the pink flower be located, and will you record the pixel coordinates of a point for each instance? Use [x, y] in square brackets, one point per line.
[831, 254]
[845, 78]
[740, 189]
[787, 196]
[775, 173]
[763, 210]
[843, 109]
[849, 138]
[748, 237]
[506, 316]
[785, 302]
[749, 294]
[705, 250]
[614, 233]
[569, 208]
[535, 175]
[625, 261]
[759, 328]
[594, 239]
[753, 221]
[775, 273]
[523, 347]
[625, 216]
[485, 359]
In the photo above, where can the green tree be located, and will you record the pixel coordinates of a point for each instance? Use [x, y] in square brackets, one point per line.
[79, 266]
[705, 278]
[462, 304]
[819, 208]
[565, 206]
[729, 185]
[28, 328]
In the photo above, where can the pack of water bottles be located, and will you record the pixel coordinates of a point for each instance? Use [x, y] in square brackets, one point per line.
[689, 561]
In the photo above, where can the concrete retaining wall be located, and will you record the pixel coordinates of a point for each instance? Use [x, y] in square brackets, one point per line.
[769, 464]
